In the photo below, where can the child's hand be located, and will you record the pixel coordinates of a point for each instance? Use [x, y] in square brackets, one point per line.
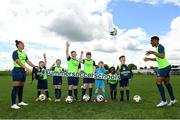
[67, 44]
[146, 59]
[44, 55]
[36, 67]
[27, 70]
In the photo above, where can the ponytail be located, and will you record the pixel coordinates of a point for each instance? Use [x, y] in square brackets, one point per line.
[17, 42]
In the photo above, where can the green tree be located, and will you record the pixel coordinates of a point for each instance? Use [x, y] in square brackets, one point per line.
[132, 66]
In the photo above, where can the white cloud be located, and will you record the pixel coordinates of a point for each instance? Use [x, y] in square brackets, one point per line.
[154, 2]
[171, 41]
[175, 2]
[86, 24]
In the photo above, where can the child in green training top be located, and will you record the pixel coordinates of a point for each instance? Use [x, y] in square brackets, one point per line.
[112, 84]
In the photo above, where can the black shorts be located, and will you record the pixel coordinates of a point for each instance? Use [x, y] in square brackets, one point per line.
[57, 80]
[42, 84]
[165, 72]
[19, 74]
[124, 83]
[113, 86]
[88, 80]
[73, 81]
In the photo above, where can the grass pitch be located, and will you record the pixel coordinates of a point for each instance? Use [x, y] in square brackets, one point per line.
[143, 85]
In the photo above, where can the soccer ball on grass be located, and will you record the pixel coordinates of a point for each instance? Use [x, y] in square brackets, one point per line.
[137, 98]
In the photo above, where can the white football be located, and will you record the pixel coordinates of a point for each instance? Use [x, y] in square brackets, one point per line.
[86, 98]
[100, 98]
[69, 99]
[137, 98]
[42, 97]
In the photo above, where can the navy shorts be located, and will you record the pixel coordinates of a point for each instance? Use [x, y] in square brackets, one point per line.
[42, 84]
[19, 74]
[88, 80]
[113, 86]
[165, 72]
[57, 80]
[124, 83]
[73, 81]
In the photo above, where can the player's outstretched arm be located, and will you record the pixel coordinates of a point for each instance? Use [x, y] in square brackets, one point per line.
[52, 66]
[45, 61]
[22, 65]
[149, 59]
[67, 49]
[81, 57]
[30, 63]
[160, 55]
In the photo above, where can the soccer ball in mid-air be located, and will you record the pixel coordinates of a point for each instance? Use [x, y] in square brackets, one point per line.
[137, 98]
[100, 98]
[69, 99]
[86, 98]
[113, 32]
[42, 97]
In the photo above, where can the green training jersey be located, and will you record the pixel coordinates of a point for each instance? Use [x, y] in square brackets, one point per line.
[111, 81]
[89, 66]
[57, 69]
[162, 62]
[73, 65]
[21, 55]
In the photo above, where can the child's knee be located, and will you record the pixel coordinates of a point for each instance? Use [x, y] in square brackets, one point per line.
[126, 88]
[90, 85]
[74, 87]
[96, 90]
[121, 88]
[70, 87]
[103, 90]
[85, 86]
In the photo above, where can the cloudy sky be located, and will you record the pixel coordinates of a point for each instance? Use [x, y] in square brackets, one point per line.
[45, 26]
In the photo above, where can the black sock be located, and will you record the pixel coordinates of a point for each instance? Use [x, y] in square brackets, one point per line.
[83, 92]
[59, 95]
[47, 93]
[111, 93]
[170, 90]
[90, 92]
[122, 94]
[13, 95]
[56, 93]
[115, 93]
[20, 93]
[69, 92]
[38, 93]
[127, 94]
[76, 93]
[162, 93]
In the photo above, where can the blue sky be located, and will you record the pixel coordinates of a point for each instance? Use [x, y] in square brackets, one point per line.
[154, 19]
[45, 26]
